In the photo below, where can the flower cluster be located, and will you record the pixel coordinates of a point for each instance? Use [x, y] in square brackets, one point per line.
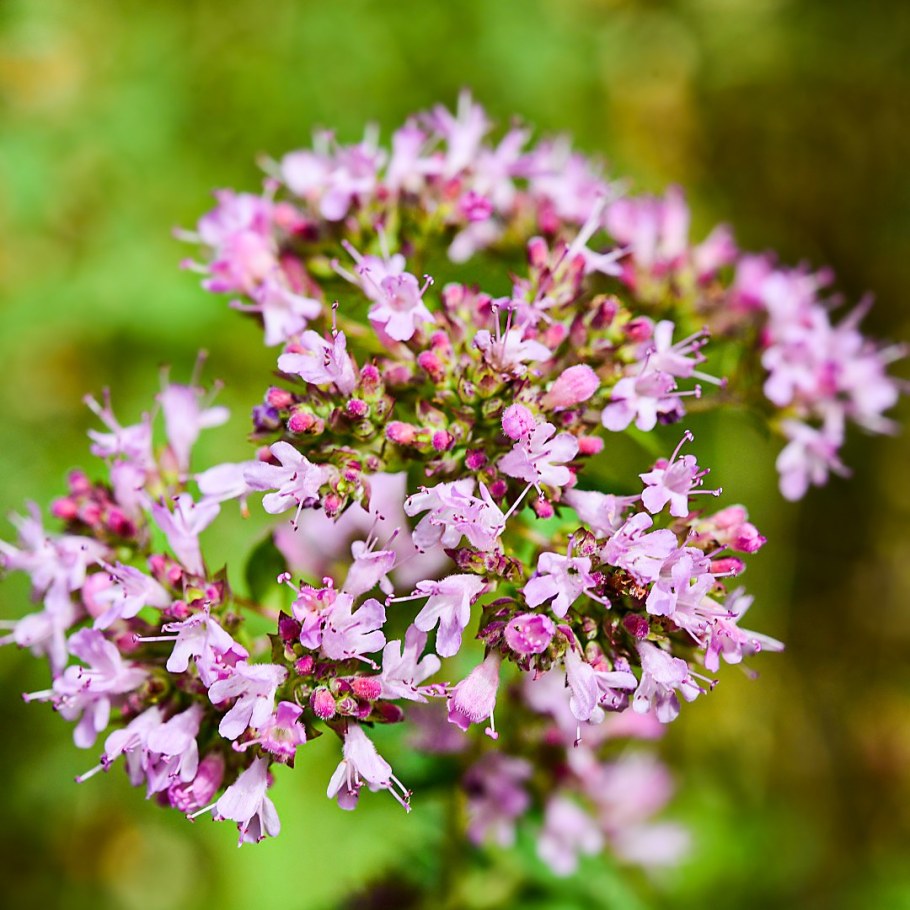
[446, 562]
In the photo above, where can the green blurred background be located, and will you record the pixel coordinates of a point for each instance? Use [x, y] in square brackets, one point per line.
[787, 117]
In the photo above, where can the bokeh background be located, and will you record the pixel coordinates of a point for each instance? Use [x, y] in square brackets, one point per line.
[786, 117]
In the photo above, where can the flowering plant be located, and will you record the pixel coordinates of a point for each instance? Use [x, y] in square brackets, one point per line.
[462, 328]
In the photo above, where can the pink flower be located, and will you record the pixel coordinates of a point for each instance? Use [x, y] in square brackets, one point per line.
[642, 553]
[662, 675]
[809, 455]
[403, 669]
[183, 526]
[127, 592]
[191, 796]
[448, 605]
[517, 421]
[362, 763]
[473, 699]
[454, 513]
[254, 687]
[350, 634]
[399, 309]
[172, 751]
[284, 313]
[562, 579]
[86, 692]
[568, 832]
[602, 512]
[496, 797]
[296, 480]
[321, 362]
[640, 398]
[246, 803]
[280, 734]
[185, 418]
[539, 457]
[201, 638]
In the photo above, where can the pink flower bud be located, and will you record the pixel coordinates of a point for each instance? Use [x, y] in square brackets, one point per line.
[498, 489]
[639, 329]
[574, 385]
[748, 539]
[431, 365]
[93, 585]
[369, 379]
[79, 483]
[279, 398]
[537, 252]
[400, 433]
[727, 565]
[590, 445]
[332, 504]
[543, 508]
[323, 703]
[475, 207]
[301, 421]
[453, 295]
[475, 459]
[517, 421]
[530, 633]
[304, 665]
[367, 687]
[64, 509]
[356, 408]
[443, 440]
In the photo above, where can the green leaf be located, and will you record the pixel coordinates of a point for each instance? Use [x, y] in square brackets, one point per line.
[264, 565]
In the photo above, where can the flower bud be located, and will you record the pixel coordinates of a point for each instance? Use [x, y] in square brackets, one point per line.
[356, 408]
[637, 626]
[367, 687]
[301, 421]
[323, 703]
[402, 434]
[279, 398]
[574, 385]
[443, 440]
[530, 633]
[590, 445]
[517, 421]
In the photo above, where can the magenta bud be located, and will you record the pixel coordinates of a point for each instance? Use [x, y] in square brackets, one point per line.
[530, 633]
[543, 508]
[369, 378]
[301, 421]
[572, 386]
[443, 440]
[517, 421]
[304, 665]
[64, 509]
[748, 539]
[475, 459]
[279, 398]
[590, 445]
[498, 489]
[332, 504]
[367, 687]
[727, 565]
[323, 703]
[639, 329]
[79, 483]
[430, 363]
[356, 408]
[90, 513]
[637, 626]
[288, 628]
[538, 252]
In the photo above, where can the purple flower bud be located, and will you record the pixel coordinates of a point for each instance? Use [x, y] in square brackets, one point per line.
[517, 421]
[529, 633]
[637, 626]
[475, 459]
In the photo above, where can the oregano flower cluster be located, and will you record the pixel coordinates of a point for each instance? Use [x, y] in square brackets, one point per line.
[461, 327]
